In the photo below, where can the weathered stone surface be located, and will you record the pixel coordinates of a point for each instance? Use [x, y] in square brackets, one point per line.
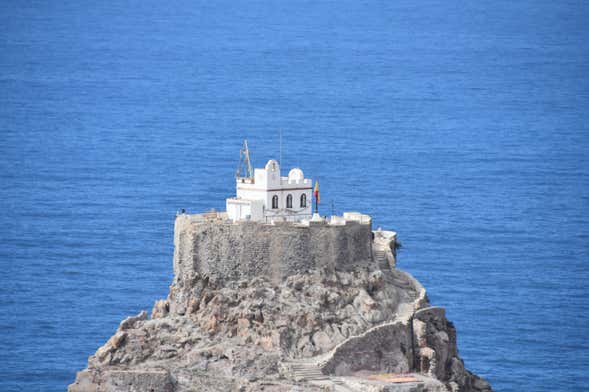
[385, 348]
[131, 322]
[248, 299]
[161, 308]
[224, 252]
[437, 353]
[123, 381]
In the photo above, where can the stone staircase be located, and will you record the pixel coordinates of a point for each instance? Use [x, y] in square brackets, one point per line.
[380, 258]
[307, 370]
[391, 275]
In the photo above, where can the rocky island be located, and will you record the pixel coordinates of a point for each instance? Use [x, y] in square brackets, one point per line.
[269, 296]
[308, 305]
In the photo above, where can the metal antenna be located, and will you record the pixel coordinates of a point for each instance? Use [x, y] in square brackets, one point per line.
[244, 162]
[280, 153]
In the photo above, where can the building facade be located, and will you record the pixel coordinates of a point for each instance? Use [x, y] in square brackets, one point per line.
[267, 196]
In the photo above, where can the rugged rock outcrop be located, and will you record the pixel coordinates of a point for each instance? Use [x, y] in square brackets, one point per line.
[312, 308]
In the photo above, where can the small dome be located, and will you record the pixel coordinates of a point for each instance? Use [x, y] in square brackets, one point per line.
[272, 165]
[296, 174]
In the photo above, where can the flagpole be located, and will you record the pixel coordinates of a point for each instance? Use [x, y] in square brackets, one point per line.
[316, 205]
[316, 194]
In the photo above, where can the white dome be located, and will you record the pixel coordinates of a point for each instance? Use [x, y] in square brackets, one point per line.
[272, 165]
[296, 174]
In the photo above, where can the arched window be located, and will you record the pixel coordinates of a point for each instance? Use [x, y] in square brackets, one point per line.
[303, 200]
[274, 202]
[289, 201]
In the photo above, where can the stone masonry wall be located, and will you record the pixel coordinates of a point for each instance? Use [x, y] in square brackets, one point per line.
[387, 348]
[223, 251]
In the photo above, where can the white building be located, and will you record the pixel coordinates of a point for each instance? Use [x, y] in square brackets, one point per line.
[266, 195]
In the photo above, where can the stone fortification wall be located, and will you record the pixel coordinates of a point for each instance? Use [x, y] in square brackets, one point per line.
[387, 348]
[224, 251]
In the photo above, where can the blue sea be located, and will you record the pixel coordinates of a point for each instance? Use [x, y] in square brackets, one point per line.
[464, 126]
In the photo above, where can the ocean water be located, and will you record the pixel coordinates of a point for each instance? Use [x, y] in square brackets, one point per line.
[464, 126]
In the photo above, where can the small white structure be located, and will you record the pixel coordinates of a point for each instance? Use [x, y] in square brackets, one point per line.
[267, 196]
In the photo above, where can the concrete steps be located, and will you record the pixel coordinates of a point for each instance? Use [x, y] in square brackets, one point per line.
[307, 370]
[380, 257]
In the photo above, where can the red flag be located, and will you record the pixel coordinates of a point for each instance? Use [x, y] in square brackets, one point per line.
[316, 191]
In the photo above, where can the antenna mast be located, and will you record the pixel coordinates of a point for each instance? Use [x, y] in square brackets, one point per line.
[245, 164]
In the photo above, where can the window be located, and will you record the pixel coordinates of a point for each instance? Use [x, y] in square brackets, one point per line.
[274, 202]
[303, 200]
[289, 201]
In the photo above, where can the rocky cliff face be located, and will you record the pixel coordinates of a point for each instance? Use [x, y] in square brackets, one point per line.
[335, 315]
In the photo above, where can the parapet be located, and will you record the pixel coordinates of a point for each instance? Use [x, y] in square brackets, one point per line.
[348, 218]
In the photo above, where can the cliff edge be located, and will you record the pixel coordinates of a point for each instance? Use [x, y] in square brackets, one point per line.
[318, 306]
